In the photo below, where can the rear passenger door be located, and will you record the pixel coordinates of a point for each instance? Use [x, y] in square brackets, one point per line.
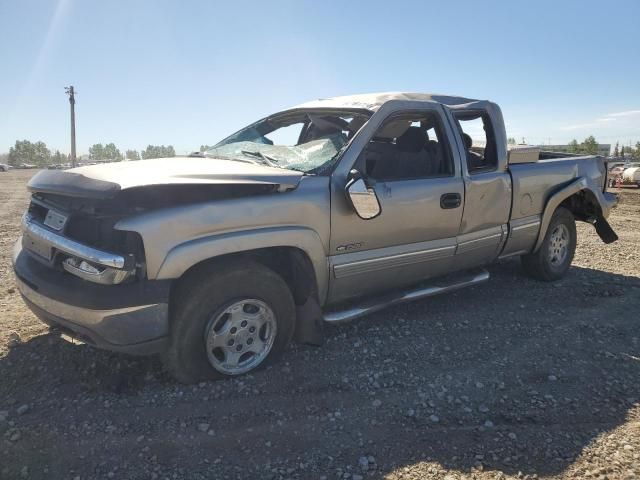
[483, 230]
[408, 160]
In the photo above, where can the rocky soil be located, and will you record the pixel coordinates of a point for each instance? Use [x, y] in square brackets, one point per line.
[510, 379]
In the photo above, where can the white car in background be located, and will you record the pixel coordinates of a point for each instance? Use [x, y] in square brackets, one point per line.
[4, 167]
[631, 175]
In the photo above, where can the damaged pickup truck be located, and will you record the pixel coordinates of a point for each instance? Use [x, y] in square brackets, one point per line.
[321, 213]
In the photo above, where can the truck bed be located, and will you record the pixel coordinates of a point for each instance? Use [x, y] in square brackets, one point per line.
[534, 183]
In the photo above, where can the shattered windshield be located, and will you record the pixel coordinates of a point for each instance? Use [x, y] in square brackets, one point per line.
[306, 141]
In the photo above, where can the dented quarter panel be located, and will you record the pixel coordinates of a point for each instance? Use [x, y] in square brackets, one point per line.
[538, 189]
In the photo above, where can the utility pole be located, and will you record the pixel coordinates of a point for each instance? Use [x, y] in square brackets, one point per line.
[72, 103]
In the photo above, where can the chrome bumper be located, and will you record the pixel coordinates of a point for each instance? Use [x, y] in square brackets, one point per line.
[139, 325]
[31, 230]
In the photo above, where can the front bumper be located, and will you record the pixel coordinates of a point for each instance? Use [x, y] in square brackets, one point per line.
[131, 317]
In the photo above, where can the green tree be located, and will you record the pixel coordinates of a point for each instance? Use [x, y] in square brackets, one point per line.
[622, 152]
[132, 155]
[616, 150]
[42, 154]
[158, 151]
[96, 152]
[58, 158]
[510, 141]
[573, 146]
[110, 152]
[204, 148]
[636, 153]
[150, 152]
[26, 152]
[104, 152]
[21, 152]
[589, 146]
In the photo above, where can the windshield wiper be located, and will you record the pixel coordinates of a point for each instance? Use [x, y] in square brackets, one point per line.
[270, 161]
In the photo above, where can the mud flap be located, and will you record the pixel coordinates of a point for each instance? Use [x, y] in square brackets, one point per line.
[604, 230]
[309, 323]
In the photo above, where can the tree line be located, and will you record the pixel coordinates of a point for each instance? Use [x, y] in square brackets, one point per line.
[589, 146]
[627, 151]
[110, 152]
[37, 153]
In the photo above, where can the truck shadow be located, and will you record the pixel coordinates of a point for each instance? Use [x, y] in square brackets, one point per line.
[509, 376]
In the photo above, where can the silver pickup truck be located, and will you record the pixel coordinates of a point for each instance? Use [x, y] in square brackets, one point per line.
[321, 213]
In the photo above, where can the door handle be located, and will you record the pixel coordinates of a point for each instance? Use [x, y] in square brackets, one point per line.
[450, 200]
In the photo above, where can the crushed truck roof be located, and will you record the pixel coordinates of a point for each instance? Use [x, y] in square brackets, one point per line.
[373, 101]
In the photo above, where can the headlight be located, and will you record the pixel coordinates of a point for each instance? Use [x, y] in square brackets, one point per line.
[95, 273]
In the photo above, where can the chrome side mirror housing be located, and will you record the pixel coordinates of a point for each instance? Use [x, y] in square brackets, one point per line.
[363, 198]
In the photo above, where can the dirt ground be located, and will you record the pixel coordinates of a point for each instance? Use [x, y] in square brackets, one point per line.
[510, 379]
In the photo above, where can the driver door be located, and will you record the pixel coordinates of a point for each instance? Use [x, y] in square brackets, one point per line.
[405, 157]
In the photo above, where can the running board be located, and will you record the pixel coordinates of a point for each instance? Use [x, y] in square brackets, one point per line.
[437, 287]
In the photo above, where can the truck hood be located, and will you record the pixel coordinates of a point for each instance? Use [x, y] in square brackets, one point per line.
[107, 180]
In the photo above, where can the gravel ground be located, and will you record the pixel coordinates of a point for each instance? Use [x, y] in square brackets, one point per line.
[510, 379]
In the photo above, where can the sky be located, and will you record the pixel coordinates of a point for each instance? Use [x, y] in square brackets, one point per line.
[188, 73]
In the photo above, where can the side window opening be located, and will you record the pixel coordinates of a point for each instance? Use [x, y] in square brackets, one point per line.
[408, 146]
[477, 134]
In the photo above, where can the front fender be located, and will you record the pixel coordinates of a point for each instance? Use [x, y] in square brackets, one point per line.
[185, 255]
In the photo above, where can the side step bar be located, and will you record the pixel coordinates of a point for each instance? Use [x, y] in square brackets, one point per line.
[437, 287]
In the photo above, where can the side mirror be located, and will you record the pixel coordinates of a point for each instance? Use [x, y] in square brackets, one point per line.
[363, 199]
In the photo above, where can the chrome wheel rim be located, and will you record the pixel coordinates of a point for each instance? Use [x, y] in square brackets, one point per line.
[240, 336]
[559, 245]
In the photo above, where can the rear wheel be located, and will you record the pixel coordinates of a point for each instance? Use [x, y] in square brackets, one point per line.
[554, 257]
[229, 320]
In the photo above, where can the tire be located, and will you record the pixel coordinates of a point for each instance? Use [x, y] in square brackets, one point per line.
[224, 312]
[554, 257]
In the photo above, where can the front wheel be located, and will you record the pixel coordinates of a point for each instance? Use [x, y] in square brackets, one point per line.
[554, 257]
[228, 320]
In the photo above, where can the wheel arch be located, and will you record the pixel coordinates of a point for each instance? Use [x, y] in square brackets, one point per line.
[294, 254]
[576, 197]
